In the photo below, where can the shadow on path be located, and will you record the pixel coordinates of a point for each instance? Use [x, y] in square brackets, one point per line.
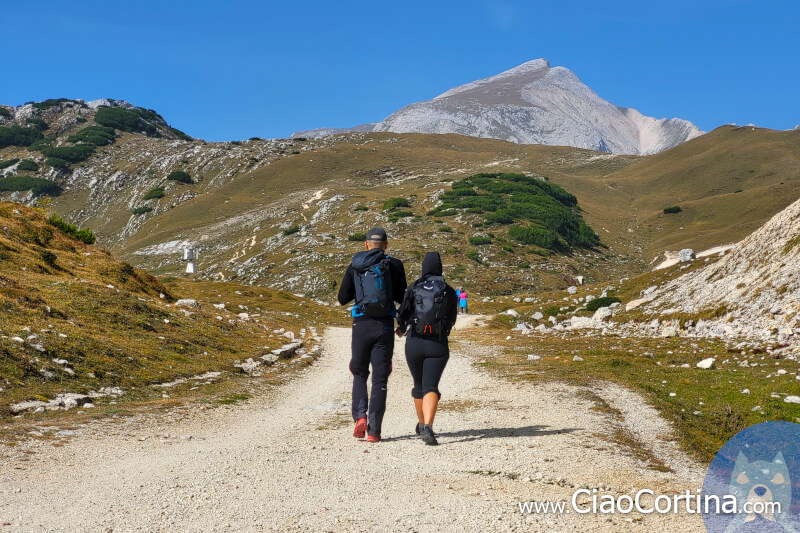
[469, 435]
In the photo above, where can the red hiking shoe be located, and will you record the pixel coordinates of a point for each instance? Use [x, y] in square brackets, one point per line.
[361, 428]
[373, 438]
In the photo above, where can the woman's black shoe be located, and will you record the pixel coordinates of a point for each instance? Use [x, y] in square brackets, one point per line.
[427, 436]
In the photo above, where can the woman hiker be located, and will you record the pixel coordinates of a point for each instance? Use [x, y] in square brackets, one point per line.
[428, 313]
[462, 300]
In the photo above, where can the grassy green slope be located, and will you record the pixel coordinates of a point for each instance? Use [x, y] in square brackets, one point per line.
[622, 197]
[728, 183]
[106, 322]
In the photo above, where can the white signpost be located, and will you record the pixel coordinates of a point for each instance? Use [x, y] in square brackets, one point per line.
[190, 256]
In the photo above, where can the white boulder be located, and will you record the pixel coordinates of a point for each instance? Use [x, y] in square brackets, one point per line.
[578, 322]
[669, 331]
[706, 363]
[602, 314]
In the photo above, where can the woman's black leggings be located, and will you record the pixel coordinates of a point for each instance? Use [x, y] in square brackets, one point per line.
[426, 358]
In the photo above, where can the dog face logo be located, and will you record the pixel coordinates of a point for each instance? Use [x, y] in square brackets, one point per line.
[762, 489]
[756, 476]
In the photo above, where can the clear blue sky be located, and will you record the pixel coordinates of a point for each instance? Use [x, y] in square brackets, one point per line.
[233, 69]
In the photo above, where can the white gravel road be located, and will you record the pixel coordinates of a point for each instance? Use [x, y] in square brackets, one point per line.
[288, 462]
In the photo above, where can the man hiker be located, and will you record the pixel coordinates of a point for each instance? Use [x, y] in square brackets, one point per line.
[375, 281]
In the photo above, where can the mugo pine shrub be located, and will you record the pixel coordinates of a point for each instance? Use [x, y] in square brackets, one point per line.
[543, 214]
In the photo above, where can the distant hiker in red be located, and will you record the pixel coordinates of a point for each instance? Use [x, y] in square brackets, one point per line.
[374, 280]
[428, 313]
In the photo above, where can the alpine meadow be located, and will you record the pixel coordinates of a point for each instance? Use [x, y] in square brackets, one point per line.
[186, 326]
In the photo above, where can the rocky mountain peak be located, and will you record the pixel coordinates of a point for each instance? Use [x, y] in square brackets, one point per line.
[535, 103]
[109, 102]
[529, 71]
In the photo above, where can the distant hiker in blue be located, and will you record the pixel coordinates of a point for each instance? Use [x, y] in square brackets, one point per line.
[428, 313]
[375, 281]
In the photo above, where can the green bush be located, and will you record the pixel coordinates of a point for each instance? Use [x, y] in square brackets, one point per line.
[523, 265]
[536, 235]
[553, 310]
[125, 119]
[361, 208]
[28, 165]
[148, 114]
[394, 203]
[357, 237]
[401, 214]
[180, 176]
[38, 186]
[446, 229]
[475, 256]
[9, 162]
[51, 102]
[4, 112]
[154, 194]
[84, 235]
[38, 144]
[18, 136]
[142, 210]
[179, 134]
[37, 123]
[479, 241]
[48, 257]
[96, 135]
[291, 230]
[73, 154]
[508, 198]
[597, 303]
[57, 163]
[673, 209]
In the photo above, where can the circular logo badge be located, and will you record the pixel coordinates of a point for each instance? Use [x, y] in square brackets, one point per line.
[753, 483]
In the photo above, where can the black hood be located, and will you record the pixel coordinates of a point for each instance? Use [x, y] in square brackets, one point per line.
[367, 258]
[432, 264]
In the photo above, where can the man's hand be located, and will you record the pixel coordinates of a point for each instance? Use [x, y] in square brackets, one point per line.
[399, 333]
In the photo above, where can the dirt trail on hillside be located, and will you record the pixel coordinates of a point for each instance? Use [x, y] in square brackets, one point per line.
[288, 462]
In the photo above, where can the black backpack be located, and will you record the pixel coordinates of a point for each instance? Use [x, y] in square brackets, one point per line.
[373, 283]
[430, 307]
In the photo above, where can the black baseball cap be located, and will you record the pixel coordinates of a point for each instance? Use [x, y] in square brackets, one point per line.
[377, 234]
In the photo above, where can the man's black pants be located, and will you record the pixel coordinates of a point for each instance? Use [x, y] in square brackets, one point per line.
[373, 344]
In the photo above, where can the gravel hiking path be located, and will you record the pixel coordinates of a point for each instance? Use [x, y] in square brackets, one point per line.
[287, 461]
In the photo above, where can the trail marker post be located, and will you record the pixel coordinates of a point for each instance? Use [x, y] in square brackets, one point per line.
[190, 256]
